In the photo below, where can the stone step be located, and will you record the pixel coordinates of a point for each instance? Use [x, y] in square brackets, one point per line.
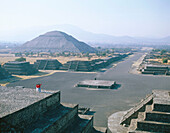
[153, 126]
[158, 116]
[161, 107]
[141, 115]
[83, 124]
[54, 119]
[99, 130]
[148, 108]
[133, 125]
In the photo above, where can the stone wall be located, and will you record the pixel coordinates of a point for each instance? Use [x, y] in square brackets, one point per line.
[63, 122]
[31, 113]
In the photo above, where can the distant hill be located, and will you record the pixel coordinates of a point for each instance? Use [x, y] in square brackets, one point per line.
[55, 41]
[85, 36]
[104, 39]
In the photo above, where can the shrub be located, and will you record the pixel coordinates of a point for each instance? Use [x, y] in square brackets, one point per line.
[165, 60]
[20, 59]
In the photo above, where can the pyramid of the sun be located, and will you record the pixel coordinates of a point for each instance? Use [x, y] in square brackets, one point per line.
[55, 41]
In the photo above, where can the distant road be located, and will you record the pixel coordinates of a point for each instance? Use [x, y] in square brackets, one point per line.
[104, 102]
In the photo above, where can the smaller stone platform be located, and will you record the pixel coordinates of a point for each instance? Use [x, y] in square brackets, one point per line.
[97, 84]
[47, 64]
[156, 70]
[20, 68]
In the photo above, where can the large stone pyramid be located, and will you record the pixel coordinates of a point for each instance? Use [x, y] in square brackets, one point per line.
[56, 41]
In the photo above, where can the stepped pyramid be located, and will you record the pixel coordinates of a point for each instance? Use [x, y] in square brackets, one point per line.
[77, 65]
[3, 73]
[25, 110]
[47, 64]
[152, 114]
[56, 41]
[19, 68]
[156, 70]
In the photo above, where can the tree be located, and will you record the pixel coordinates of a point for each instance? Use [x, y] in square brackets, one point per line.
[155, 50]
[98, 47]
[165, 60]
[32, 53]
[104, 54]
[163, 51]
[87, 54]
[20, 59]
[18, 54]
[26, 54]
[51, 54]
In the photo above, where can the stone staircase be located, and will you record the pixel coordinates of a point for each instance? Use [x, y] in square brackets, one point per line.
[155, 118]
[62, 119]
[77, 66]
[48, 115]
[47, 64]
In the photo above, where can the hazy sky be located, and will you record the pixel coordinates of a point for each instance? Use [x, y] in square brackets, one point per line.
[115, 17]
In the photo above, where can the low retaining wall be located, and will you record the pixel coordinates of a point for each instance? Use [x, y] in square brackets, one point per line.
[31, 113]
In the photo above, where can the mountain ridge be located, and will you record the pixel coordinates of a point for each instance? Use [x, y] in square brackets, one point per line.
[90, 37]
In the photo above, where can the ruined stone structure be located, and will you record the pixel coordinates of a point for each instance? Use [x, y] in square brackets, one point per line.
[25, 110]
[47, 64]
[3, 73]
[19, 68]
[103, 84]
[77, 66]
[152, 114]
[93, 65]
[156, 70]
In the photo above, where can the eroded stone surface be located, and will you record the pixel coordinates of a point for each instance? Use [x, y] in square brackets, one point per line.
[13, 99]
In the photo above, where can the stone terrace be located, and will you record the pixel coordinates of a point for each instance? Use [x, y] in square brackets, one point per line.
[25, 110]
[17, 98]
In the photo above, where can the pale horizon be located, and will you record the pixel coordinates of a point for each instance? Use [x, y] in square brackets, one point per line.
[133, 18]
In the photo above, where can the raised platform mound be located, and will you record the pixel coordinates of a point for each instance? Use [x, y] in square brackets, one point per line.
[3, 73]
[100, 84]
[25, 110]
[156, 70]
[47, 64]
[77, 66]
[20, 68]
[87, 66]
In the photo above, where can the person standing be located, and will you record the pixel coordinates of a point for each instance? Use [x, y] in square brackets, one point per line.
[38, 87]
